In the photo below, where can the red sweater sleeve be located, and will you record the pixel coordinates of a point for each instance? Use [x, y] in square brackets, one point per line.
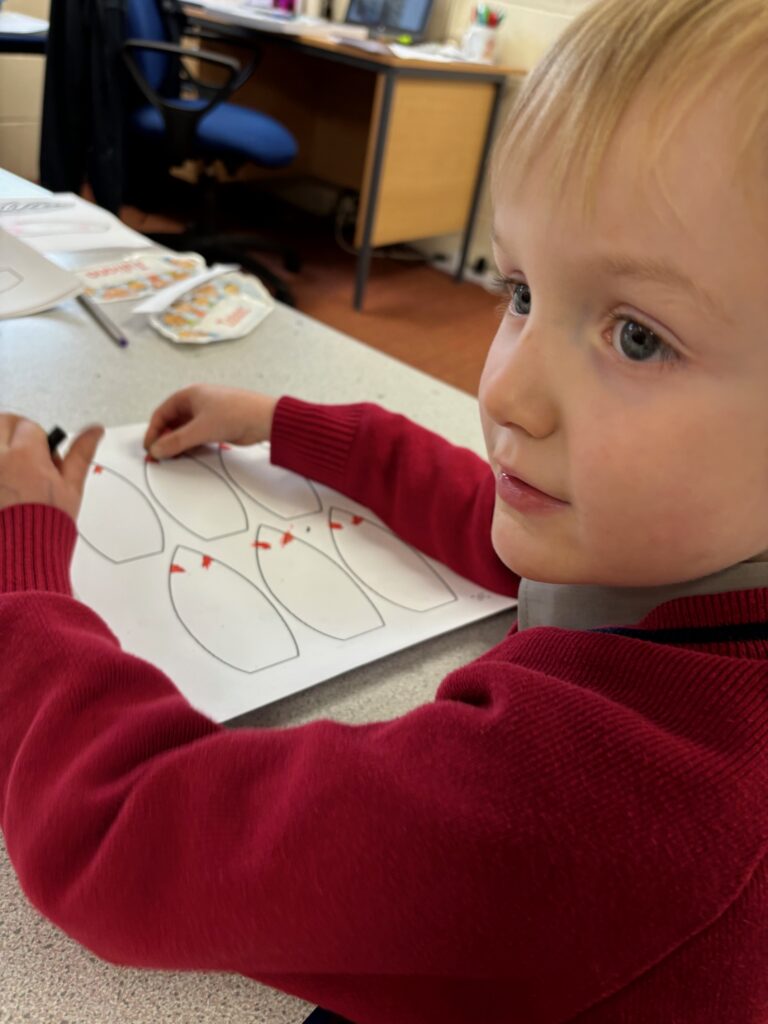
[435, 495]
[559, 822]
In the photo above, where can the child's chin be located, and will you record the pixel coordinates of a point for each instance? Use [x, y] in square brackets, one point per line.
[527, 566]
[549, 569]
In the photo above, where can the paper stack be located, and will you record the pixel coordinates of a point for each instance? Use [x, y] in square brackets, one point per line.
[254, 15]
[63, 222]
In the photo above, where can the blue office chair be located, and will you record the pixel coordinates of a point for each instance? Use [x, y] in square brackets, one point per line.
[181, 117]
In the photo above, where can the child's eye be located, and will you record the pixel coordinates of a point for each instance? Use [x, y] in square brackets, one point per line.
[639, 343]
[519, 296]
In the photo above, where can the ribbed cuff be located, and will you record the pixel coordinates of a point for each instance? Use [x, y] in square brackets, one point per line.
[314, 440]
[36, 545]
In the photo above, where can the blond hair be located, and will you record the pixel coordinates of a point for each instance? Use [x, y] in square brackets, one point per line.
[574, 99]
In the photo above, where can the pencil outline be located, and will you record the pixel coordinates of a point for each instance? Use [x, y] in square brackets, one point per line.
[219, 536]
[199, 642]
[384, 529]
[335, 564]
[134, 558]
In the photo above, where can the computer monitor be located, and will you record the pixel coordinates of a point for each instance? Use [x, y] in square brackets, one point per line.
[390, 17]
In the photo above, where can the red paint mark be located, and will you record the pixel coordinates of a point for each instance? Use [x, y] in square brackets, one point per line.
[207, 561]
[225, 447]
[286, 538]
[336, 526]
[98, 469]
[356, 520]
[148, 458]
[261, 544]
[177, 568]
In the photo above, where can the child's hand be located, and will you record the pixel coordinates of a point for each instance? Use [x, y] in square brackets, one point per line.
[30, 475]
[203, 413]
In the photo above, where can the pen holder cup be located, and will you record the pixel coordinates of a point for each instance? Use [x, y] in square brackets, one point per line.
[479, 43]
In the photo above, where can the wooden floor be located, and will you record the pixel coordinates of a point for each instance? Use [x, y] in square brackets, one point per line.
[412, 311]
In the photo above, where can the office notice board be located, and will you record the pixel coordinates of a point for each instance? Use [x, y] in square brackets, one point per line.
[245, 582]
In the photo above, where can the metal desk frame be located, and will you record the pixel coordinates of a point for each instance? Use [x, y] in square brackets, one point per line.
[497, 77]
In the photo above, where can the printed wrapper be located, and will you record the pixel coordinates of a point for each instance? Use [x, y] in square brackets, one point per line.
[138, 275]
[227, 307]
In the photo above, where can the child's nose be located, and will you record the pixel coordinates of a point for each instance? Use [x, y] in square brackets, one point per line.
[517, 387]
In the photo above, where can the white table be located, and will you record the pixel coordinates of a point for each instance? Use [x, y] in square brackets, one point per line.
[59, 368]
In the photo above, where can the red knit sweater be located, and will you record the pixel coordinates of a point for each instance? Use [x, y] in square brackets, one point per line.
[575, 829]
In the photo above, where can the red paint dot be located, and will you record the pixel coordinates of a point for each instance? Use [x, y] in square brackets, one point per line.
[177, 568]
[207, 561]
[148, 458]
[286, 538]
[336, 526]
[225, 447]
[356, 520]
[261, 544]
[98, 469]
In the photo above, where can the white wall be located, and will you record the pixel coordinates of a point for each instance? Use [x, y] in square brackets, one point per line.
[526, 32]
[528, 27]
[21, 101]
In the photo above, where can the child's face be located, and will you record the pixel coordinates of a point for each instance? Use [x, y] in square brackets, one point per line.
[637, 395]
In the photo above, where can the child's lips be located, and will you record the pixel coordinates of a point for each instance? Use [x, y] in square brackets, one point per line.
[524, 497]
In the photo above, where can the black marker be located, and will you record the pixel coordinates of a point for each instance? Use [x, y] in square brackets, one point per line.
[56, 436]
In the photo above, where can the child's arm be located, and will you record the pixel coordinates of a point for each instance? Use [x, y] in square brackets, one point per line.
[342, 863]
[491, 849]
[203, 413]
[433, 494]
[318, 858]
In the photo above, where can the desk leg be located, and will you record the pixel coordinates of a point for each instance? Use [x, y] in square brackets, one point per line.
[459, 275]
[364, 255]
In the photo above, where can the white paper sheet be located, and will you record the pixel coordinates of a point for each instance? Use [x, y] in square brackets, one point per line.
[247, 583]
[66, 223]
[413, 53]
[270, 19]
[29, 283]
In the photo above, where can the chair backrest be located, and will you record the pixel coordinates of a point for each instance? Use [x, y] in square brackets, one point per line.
[143, 20]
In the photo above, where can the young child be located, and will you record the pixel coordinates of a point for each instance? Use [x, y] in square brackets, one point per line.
[575, 829]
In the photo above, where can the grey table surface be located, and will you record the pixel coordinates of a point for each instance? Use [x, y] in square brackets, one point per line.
[60, 368]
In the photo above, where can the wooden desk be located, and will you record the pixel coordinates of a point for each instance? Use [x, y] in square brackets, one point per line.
[411, 136]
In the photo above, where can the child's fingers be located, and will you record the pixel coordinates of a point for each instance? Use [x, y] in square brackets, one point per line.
[177, 408]
[158, 425]
[28, 434]
[8, 423]
[74, 468]
[174, 442]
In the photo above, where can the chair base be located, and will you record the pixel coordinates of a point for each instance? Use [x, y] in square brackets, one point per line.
[231, 248]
